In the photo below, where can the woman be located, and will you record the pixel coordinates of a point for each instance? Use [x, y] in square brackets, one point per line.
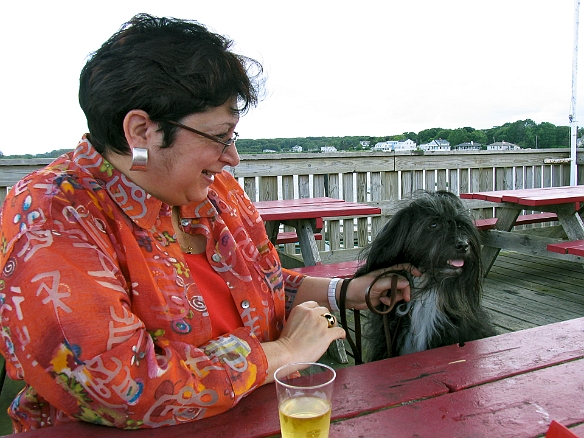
[138, 285]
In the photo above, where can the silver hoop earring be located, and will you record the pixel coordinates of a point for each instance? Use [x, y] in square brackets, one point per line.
[139, 159]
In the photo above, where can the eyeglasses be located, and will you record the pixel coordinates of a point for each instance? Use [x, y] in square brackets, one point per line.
[225, 144]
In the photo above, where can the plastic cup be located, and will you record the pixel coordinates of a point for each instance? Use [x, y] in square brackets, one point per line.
[305, 399]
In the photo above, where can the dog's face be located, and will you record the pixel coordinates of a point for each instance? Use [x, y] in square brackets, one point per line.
[440, 237]
[434, 232]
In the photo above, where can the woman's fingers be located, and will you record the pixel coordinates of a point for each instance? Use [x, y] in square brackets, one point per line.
[307, 333]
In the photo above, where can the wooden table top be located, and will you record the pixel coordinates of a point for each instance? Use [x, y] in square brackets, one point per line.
[532, 197]
[311, 208]
[514, 384]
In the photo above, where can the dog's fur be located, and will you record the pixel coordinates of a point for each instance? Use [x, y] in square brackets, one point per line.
[434, 233]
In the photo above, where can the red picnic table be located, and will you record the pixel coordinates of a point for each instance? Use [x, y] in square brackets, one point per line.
[565, 202]
[511, 385]
[305, 215]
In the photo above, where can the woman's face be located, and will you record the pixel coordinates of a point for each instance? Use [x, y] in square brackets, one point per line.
[183, 172]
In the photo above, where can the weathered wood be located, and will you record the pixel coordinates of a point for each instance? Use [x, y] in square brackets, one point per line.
[348, 235]
[308, 248]
[334, 234]
[334, 188]
[518, 283]
[249, 186]
[288, 193]
[304, 186]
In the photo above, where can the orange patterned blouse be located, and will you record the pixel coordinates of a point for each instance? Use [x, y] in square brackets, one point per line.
[100, 314]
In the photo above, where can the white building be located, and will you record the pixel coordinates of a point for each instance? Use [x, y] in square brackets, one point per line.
[296, 148]
[436, 145]
[502, 146]
[472, 146]
[325, 149]
[386, 146]
[406, 145]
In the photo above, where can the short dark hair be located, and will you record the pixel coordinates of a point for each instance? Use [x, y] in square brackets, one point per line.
[167, 67]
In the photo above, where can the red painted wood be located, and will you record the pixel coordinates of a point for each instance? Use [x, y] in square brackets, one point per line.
[532, 197]
[562, 247]
[317, 211]
[558, 430]
[340, 269]
[486, 224]
[285, 203]
[521, 406]
[309, 208]
[576, 250]
[536, 201]
[535, 218]
[464, 391]
[292, 237]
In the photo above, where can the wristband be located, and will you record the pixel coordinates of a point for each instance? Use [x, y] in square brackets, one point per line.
[332, 294]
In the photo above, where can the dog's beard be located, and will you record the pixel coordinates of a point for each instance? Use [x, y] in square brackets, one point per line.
[426, 319]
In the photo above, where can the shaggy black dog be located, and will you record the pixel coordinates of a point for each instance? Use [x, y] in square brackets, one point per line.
[434, 233]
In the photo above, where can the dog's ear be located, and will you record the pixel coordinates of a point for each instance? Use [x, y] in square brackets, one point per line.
[387, 248]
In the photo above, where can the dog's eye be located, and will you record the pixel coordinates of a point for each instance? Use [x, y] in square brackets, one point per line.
[433, 225]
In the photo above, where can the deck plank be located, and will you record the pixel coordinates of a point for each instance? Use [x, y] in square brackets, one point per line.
[525, 291]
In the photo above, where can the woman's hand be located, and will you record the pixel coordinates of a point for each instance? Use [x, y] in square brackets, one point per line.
[305, 337]
[380, 292]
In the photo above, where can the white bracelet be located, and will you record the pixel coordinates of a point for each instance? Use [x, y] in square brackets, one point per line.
[332, 294]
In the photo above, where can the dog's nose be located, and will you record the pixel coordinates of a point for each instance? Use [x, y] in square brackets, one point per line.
[462, 245]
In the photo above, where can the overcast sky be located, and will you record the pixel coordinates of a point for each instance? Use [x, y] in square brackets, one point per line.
[334, 68]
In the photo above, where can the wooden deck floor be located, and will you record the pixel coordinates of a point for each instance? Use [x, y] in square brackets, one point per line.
[525, 291]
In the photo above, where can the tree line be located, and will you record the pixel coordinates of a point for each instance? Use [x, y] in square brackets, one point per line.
[524, 133]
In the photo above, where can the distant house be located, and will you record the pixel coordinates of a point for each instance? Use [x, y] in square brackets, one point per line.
[502, 146]
[385, 146]
[296, 148]
[325, 149]
[269, 151]
[472, 146]
[436, 145]
[406, 145]
[365, 143]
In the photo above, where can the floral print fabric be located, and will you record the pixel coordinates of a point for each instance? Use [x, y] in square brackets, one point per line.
[99, 312]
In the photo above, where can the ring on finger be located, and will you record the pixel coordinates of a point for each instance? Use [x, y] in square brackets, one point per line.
[330, 319]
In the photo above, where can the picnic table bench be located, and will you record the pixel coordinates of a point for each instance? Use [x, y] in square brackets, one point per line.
[306, 216]
[575, 247]
[565, 202]
[285, 237]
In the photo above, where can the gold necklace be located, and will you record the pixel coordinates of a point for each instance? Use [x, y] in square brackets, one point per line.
[188, 249]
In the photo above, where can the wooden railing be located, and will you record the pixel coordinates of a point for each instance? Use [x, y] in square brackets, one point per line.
[378, 178]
